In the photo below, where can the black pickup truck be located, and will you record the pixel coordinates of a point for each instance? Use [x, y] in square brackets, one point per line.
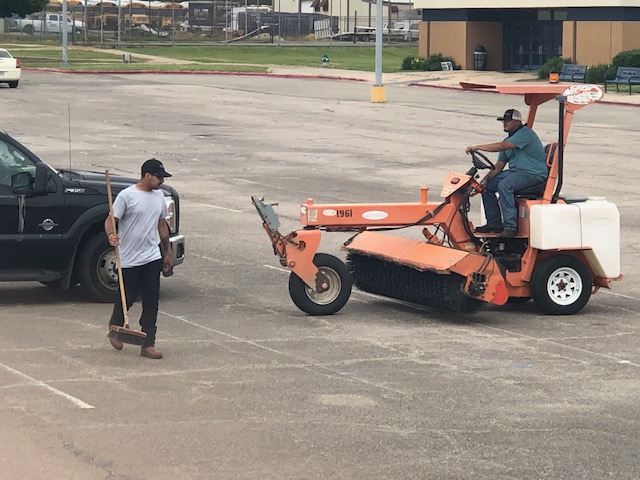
[52, 224]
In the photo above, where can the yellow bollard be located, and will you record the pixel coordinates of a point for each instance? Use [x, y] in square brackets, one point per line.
[377, 94]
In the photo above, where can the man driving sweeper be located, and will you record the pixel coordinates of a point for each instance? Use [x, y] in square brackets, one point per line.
[523, 151]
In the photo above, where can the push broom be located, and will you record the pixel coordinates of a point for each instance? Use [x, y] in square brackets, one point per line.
[123, 334]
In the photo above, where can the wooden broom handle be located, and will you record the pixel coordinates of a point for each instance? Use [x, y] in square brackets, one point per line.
[123, 297]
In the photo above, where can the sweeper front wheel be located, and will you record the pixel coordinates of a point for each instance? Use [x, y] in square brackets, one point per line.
[333, 298]
[561, 285]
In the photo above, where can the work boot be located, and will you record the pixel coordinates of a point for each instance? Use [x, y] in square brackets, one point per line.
[489, 229]
[115, 343]
[150, 352]
[509, 232]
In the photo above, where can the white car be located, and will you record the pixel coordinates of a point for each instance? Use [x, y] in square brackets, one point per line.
[9, 69]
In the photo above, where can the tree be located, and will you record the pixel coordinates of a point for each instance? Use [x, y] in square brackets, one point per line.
[21, 7]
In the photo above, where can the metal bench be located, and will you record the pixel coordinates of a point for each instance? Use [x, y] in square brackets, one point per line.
[573, 73]
[624, 76]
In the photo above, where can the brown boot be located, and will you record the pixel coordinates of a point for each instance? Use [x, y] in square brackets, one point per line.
[115, 343]
[150, 352]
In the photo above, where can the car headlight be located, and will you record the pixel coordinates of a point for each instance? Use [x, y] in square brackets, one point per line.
[171, 214]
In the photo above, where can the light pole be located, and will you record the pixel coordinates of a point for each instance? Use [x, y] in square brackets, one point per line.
[377, 91]
[65, 46]
[119, 15]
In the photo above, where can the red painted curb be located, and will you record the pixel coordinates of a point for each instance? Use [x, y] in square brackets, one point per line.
[275, 75]
[193, 72]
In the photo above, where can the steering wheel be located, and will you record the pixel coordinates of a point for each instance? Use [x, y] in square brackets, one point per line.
[480, 161]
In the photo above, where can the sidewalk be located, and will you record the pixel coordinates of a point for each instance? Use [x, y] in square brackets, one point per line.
[439, 79]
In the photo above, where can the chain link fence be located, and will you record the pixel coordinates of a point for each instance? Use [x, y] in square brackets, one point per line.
[138, 22]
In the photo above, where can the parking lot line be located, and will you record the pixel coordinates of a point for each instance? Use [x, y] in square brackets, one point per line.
[278, 352]
[37, 383]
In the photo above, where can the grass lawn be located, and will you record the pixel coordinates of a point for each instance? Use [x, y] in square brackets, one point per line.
[232, 58]
[350, 58]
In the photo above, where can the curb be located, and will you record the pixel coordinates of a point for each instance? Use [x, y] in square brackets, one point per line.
[193, 72]
[274, 75]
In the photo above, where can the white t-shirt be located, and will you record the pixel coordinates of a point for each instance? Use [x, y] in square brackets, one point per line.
[138, 213]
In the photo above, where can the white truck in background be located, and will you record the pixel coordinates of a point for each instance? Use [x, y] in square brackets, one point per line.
[45, 23]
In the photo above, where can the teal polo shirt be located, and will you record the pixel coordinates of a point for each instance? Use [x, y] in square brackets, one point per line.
[528, 156]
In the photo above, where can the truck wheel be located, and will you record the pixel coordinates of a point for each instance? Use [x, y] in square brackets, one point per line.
[98, 271]
[561, 285]
[13, 84]
[28, 29]
[329, 301]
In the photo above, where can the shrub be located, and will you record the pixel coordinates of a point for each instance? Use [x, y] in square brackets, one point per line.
[596, 73]
[552, 65]
[432, 63]
[628, 58]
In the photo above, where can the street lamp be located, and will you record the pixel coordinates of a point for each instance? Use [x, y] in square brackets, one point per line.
[65, 47]
[377, 91]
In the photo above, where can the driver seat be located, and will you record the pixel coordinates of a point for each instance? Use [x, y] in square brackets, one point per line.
[537, 190]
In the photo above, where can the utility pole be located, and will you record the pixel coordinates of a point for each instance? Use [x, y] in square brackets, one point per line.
[377, 91]
[119, 19]
[65, 46]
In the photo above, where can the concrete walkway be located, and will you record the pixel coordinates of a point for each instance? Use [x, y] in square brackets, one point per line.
[440, 79]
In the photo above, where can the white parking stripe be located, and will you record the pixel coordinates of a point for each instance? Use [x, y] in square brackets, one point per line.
[299, 359]
[37, 383]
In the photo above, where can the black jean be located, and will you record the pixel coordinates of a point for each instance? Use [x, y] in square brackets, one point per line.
[145, 280]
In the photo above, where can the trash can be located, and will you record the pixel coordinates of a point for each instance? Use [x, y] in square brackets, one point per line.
[480, 58]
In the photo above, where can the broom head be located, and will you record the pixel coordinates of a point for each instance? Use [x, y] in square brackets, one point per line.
[126, 335]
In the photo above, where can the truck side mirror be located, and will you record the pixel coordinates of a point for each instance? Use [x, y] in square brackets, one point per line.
[24, 183]
[42, 179]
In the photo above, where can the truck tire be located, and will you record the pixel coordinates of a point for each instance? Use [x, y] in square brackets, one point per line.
[97, 270]
[330, 301]
[13, 84]
[561, 285]
[28, 29]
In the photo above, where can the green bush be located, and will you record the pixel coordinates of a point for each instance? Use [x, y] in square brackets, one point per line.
[596, 73]
[628, 58]
[432, 63]
[552, 65]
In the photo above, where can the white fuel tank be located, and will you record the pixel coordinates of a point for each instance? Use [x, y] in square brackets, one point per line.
[594, 224]
[555, 225]
[601, 232]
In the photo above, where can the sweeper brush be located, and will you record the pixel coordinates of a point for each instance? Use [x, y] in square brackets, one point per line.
[563, 250]
[430, 289]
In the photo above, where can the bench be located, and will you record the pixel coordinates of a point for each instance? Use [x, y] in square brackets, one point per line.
[624, 76]
[573, 73]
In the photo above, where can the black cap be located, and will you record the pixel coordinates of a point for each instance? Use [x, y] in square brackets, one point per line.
[154, 167]
[511, 114]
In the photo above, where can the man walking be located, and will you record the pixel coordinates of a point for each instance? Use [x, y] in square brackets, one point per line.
[140, 212]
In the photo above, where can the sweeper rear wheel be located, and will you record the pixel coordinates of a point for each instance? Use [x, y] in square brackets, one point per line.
[561, 285]
[331, 300]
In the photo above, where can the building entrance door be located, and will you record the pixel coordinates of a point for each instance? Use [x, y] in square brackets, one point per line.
[527, 45]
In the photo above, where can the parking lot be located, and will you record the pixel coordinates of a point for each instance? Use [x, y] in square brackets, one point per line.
[252, 388]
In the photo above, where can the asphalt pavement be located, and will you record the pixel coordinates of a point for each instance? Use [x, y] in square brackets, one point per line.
[252, 388]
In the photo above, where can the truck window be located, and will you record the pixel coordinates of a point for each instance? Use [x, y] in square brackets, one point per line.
[53, 18]
[12, 162]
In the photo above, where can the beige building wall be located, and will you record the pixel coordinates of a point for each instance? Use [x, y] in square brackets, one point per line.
[488, 34]
[593, 43]
[458, 40]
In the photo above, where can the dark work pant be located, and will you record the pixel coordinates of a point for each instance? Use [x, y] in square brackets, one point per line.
[145, 280]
